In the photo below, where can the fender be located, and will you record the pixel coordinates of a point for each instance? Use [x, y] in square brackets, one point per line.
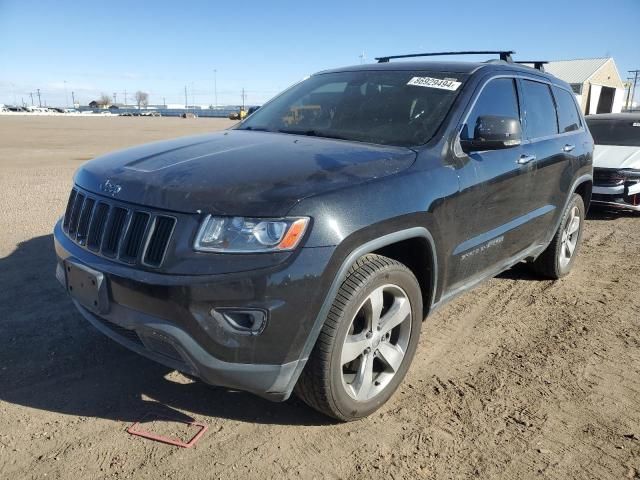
[587, 177]
[368, 247]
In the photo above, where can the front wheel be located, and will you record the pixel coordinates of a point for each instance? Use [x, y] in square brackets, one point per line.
[556, 261]
[367, 343]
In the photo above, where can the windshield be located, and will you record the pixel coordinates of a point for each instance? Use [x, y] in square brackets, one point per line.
[615, 132]
[386, 107]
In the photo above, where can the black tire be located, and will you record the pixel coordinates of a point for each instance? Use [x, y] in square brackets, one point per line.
[550, 263]
[322, 383]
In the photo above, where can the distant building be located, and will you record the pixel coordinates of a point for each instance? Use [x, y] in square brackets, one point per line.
[595, 81]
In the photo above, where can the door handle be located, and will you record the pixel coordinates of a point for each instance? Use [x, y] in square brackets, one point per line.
[568, 148]
[524, 159]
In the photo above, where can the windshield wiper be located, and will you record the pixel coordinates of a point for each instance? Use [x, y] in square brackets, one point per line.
[312, 133]
[255, 129]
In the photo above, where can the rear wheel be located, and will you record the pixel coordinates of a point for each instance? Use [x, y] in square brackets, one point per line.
[368, 340]
[556, 261]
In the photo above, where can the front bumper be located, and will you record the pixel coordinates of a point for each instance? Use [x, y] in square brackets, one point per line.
[169, 318]
[620, 189]
[625, 197]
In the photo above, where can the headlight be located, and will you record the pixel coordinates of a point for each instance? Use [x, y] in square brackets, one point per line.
[249, 235]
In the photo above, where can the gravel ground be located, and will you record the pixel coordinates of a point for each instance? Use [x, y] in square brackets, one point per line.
[519, 378]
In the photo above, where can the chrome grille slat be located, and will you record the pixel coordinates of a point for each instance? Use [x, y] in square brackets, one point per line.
[98, 223]
[158, 240]
[75, 215]
[134, 237]
[115, 226]
[83, 222]
[67, 213]
[117, 231]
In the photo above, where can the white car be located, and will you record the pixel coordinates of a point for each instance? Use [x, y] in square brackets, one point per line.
[616, 159]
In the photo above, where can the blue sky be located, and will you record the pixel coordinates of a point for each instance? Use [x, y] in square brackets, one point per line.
[160, 47]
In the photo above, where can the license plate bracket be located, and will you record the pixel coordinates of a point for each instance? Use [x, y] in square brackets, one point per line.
[87, 286]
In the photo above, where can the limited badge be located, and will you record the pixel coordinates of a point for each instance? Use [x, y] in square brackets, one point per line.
[446, 84]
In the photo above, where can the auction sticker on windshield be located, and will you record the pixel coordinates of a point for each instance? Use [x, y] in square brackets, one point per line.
[446, 84]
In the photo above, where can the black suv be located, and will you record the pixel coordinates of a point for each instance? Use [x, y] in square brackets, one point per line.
[302, 249]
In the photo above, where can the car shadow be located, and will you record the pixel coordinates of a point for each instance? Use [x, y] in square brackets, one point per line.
[52, 359]
[520, 271]
[603, 213]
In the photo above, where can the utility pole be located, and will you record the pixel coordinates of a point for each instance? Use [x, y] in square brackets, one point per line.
[73, 99]
[31, 95]
[115, 97]
[362, 57]
[186, 101]
[244, 96]
[627, 86]
[635, 82]
[125, 97]
[215, 88]
[164, 102]
[39, 100]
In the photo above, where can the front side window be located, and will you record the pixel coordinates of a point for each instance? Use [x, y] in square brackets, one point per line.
[498, 98]
[401, 108]
[568, 116]
[540, 109]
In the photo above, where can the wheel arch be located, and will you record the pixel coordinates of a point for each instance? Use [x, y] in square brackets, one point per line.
[584, 189]
[391, 242]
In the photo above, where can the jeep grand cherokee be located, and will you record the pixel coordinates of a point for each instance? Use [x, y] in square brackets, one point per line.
[302, 249]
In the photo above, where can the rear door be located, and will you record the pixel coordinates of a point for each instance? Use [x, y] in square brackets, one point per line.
[552, 152]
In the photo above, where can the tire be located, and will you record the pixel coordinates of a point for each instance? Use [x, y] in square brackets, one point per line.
[554, 263]
[336, 380]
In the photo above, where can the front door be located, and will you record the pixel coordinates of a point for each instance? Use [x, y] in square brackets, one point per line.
[495, 185]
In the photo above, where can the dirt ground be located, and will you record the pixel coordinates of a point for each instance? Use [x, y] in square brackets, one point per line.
[519, 378]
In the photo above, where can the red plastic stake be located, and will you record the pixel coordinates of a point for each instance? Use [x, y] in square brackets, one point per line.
[135, 430]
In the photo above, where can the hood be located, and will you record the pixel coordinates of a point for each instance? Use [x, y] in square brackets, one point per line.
[612, 156]
[237, 172]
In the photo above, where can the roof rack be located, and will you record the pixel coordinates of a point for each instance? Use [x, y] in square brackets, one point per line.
[504, 55]
[537, 64]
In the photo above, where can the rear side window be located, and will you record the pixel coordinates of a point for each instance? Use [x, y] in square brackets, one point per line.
[497, 98]
[568, 116]
[540, 109]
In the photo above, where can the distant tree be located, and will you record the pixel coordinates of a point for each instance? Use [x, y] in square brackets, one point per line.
[142, 99]
[105, 100]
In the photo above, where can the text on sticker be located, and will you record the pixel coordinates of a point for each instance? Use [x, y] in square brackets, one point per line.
[434, 83]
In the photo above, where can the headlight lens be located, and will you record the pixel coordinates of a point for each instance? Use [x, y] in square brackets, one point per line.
[248, 235]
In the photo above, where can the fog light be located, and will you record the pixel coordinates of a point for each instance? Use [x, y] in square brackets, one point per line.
[241, 321]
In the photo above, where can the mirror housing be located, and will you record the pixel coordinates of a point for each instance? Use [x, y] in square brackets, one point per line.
[494, 132]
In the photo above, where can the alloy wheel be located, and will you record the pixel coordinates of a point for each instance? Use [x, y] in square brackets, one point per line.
[570, 235]
[376, 342]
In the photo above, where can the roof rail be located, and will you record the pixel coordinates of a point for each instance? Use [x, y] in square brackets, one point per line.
[537, 64]
[504, 55]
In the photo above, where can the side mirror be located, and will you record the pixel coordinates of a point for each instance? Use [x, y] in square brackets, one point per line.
[494, 132]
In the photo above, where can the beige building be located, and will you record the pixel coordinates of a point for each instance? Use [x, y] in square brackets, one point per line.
[595, 81]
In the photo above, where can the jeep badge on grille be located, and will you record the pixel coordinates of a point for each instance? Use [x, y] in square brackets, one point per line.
[110, 188]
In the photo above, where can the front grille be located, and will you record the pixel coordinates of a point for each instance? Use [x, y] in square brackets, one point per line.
[607, 177]
[117, 231]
